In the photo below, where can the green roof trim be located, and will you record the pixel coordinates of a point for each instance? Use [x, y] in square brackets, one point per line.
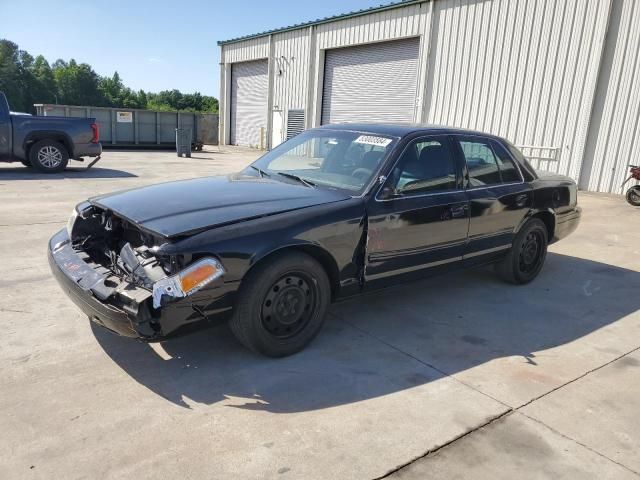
[355, 13]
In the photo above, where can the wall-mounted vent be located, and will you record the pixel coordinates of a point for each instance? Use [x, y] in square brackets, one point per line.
[295, 123]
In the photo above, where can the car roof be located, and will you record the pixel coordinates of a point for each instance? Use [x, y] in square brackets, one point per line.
[402, 129]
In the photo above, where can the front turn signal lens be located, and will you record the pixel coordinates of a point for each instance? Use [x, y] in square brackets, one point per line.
[198, 276]
[188, 281]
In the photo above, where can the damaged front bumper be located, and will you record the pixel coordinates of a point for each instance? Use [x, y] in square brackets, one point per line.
[112, 302]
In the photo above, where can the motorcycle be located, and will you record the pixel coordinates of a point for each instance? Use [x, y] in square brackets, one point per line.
[633, 194]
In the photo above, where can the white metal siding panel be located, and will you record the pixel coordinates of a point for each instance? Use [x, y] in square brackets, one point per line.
[617, 132]
[246, 50]
[524, 70]
[291, 69]
[391, 24]
[371, 83]
[249, 87]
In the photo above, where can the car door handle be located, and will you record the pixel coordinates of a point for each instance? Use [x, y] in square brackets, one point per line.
[458, 211]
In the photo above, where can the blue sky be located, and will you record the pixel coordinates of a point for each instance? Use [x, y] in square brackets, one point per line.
[153, 44]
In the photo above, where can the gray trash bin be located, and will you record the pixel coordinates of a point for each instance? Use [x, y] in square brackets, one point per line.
[183, 142]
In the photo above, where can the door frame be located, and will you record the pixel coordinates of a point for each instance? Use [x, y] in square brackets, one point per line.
[377, 203]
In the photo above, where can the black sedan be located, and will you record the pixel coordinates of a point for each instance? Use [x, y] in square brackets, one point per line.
[333, 212]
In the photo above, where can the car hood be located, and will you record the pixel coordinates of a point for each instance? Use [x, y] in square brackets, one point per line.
[178, 208]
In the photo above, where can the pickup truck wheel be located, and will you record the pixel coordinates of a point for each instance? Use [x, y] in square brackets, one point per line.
[48, 156]
[527, 255]
[281, 305]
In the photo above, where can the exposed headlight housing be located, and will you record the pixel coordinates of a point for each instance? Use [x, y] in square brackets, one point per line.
[188, 281]
[72, 221]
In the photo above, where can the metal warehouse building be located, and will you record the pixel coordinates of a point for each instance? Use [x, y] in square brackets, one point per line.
[558, 78]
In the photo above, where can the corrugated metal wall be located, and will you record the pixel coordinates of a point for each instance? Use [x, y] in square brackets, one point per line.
[252, 49]
[399, 22]
[532, 71]
[614, 135]
[291, 69]
[520, 69]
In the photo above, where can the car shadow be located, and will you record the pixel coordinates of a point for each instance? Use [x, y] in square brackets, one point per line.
[24, 173]
[460, 321]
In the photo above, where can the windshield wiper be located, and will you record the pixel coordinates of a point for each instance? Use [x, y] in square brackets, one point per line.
[299, 179]
[261, 172]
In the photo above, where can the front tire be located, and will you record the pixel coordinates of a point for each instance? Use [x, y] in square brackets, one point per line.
[281, 305]
[48, 156]
[527, 254]
[633, 196]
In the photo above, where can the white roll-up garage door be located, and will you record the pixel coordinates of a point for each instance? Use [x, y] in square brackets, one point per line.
[371, 83]
[249, 87]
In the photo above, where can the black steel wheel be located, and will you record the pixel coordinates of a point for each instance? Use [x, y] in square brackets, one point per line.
[530, 252]
[633, 196]
[288, 305]
[281, 304]
[526, 257]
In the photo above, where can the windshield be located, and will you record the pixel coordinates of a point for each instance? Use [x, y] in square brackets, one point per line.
[331, 158]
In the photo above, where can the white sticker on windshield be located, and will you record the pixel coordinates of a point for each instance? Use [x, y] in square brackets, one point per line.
[371, 140]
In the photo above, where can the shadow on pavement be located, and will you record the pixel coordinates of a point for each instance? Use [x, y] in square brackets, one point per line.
[461, 320]
[24, 173]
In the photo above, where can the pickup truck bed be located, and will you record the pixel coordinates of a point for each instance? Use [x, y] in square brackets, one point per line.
[46, 143]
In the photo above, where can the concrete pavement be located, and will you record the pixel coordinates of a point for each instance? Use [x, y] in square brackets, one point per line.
[456, 376]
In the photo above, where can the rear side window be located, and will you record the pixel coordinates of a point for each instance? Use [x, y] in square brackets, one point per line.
[527, 170]
[508, 170]
[488, 163]
[481, 163]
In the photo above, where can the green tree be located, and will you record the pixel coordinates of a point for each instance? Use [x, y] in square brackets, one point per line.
[142, 98]
[45, 87]
[78, 84]
[11, 75]
[112, 89]
[27, 80]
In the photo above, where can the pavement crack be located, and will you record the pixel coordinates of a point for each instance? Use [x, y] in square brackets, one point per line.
[510, 409]
[446, 444]
[588, 372]
[13, 311]
[567, 437]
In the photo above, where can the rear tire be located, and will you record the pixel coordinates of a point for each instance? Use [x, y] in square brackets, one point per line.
[633, 196]
[48, 156]
[527, 254]
[281, 305]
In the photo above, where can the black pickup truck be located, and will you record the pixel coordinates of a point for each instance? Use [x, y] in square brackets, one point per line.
[46, 143]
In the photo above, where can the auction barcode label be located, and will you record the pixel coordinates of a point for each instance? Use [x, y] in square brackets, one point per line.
[371, 140]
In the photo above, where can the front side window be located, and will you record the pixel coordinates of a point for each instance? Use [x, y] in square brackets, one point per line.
[426, 166]
[332, 158]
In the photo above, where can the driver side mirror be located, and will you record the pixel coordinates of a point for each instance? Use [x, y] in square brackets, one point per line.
[388, 192]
